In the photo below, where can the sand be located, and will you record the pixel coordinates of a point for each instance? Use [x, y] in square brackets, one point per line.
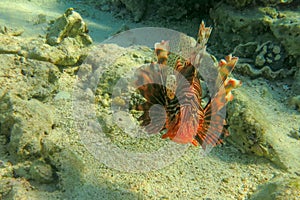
[225, 173]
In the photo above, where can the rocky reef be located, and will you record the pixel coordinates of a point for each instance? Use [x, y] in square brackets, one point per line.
[68, 33]
[41, 153]
[144, 10]
[266, 38]
[273, 26]
[265, 35]
[254, 130]
[29, 79]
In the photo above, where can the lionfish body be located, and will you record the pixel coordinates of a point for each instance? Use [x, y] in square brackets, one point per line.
[175, 85]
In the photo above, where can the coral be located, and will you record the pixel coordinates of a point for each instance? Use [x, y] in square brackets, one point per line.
[41, 172]
[235, 27]
[247, 131]
[69, 25]
[296, 83]
[136, 7]
[287, 31]
[9, 44]
[68, 52]
[270, 54]
[266, 60]
[246, 51]
[253, 24]
[6, 169]
[266, 72]
[11, 188]
[239, 3]
[27, 80]
[166, 9]
[5, 187]
[45, 149]
[251, 118]
[37, 170]
[25, 135]
[244, 3]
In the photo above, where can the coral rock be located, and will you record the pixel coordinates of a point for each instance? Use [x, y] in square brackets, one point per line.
[26, 123]
[253, 130]
[70, 24]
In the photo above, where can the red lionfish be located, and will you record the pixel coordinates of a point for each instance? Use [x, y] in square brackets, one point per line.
[179, 91]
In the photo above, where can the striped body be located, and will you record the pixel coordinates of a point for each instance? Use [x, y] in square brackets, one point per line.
[175, 85]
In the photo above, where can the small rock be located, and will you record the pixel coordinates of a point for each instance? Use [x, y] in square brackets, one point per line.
[11, 31]
[296, 83]
[70, 24]
[294, 133]
[279, 188]
[276, 49]
[62, 95]
[260, 60]
[105, 7]
[295, 102]
[25, 135]
[41, 18]
[5, 187]
[118, 101]
[277, 57]
[41, 172]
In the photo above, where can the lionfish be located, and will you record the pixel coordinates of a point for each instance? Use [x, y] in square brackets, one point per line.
[173, 82]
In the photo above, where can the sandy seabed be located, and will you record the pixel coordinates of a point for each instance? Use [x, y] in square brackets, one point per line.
[225, 173]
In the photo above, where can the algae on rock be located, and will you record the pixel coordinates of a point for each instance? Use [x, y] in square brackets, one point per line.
[287, 30]
[244, 3]
[254, 127]
[279, 188]
[247, 126]
[28, 83]
[253, 24]
[69, 33]
[296, 83]
[24, 123]
[70, 24]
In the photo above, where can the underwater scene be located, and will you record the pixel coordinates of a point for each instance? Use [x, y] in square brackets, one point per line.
[137, 99]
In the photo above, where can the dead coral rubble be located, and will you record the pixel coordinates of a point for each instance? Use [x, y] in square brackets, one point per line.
[255, 128]
[69, 35]
[29, 76]
[255, 23]
[296, 83]
[69, 25]
[245, 3]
